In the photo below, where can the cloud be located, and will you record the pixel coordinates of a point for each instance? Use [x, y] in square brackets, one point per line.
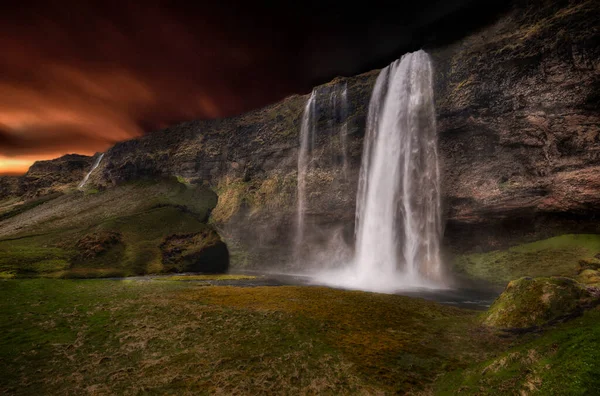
[79, 75]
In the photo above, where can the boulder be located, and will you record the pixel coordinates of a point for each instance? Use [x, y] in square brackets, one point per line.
[532, 302]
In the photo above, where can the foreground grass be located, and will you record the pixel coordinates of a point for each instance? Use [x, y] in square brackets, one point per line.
[558, 256]
[561, 361]
[215, 277]
[130, 337]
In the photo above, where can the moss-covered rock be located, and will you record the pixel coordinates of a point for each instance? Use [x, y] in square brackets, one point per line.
[589, 264]
[590, 277]
[531, 302]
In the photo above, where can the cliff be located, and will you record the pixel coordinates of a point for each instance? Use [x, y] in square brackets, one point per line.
[517, 106]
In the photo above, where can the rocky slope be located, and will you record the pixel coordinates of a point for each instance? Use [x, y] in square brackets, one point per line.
[47, 177]
[518, 119]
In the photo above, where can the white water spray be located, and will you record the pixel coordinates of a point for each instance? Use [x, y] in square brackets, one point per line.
[398, 215]
[96, 163]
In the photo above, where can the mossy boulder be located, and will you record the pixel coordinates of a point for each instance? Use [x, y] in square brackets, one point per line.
[198, 252]
[532, 302]
[589, 277]
[589, 264]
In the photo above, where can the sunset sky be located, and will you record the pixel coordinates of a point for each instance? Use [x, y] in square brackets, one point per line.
[76, 77]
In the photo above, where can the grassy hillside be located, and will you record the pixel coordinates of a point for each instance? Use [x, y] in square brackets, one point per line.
[558, 256]
[117, 232]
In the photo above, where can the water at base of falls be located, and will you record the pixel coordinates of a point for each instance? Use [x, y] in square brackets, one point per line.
[398, 215]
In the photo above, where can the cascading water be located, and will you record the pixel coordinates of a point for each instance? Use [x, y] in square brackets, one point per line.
[96, 163]
[307, 141]
[310, 159]
[398, 216]
[344, 128]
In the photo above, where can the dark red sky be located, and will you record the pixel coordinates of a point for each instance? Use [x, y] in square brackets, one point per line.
[78, 76]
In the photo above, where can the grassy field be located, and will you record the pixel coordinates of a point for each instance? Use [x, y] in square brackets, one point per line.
[130, 337]
[558, 256]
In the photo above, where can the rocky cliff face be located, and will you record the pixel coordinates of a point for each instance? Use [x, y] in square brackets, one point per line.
[47, 177]
[9, 186]
[518, 117]
[518, 122]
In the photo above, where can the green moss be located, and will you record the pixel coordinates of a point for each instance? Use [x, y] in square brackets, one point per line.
[217, 277]
[530, 302]
[33, 256]
[64, 336]
[276, 191]
[558, 256]
[165, 208]
[560, 361]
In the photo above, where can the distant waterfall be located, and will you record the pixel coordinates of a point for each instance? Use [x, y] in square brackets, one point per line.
[398, 215]
[333, 102]
[96, 163]
[307, 144]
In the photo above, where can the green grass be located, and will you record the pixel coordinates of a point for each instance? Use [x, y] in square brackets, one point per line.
[561, 361]
[143, 213]
[116, 337]
[217, 277]
[27, 205]
[558, 256]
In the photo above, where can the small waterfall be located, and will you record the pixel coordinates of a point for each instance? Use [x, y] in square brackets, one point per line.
[307, 144]
[344, 129]
[96, 163]
[335, 109]
[398, 215]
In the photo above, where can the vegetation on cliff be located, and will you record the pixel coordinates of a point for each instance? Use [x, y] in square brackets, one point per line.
[115, 232]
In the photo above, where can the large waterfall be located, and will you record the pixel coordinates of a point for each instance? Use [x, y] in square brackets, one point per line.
[398, 216]
[87, 176]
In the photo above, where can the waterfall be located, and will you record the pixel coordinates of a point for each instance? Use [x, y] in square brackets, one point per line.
[307, 143]
[343, 133]
[398, 215]
[96, 163]
[336, 111]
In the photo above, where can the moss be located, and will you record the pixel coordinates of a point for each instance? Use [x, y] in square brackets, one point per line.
[531, 302]
[558, 256]
[560, 361]
[589, 276]
[145, 214]
[63, 336]
[217, 277]
[231, 193]
[276, 191]
[33, 256]
[8, 274]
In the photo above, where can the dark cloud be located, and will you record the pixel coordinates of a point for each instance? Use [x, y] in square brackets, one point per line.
[76, 76]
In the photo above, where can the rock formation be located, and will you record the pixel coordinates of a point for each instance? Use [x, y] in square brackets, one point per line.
[518, 121]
